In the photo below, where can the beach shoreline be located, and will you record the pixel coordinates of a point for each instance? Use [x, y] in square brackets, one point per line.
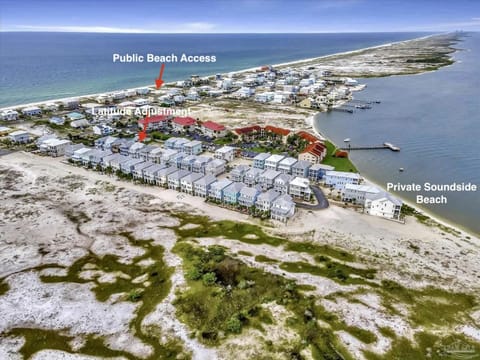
[290, 63]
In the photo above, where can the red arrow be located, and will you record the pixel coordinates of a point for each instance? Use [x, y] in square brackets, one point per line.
[159, 82]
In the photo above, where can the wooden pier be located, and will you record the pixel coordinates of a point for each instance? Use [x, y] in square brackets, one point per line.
[374, 147]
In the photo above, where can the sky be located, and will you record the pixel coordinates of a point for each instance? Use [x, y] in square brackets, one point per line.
[239, 16]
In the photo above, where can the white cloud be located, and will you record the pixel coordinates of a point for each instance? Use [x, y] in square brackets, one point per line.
[195, 27]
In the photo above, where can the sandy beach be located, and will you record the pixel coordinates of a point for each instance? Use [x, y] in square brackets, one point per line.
[39, 193]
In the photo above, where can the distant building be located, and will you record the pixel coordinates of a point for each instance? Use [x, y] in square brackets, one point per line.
[31, 111]
[153, 123]
[213, 129]
[182, 124]
[277, 132]
[54, 147]
[9, 115]
[19, 137]
[313, 153]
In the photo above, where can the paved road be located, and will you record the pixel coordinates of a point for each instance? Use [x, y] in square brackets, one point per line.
[322, 202]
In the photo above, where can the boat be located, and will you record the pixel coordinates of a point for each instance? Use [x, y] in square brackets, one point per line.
[401, 169]
[346, 140]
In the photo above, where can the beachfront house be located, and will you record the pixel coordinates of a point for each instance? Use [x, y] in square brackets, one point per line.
[128, 166]
[252, 176]
[273, 161]
[175, 178]
[317, 171]
[183, 124]
[96, 157]
[150, 173]
[300, 168]
[283, 208]
[357, 193]
[232, 192]
[200, 164]
[299, 187]
[19, 137]
[9, 115]
[193, 147]
[105, 143]
[285, 165]
[78, 154]
[265, 200]
[215, 167]
[32, 111]
[259, 160]
[54, 147]
[226, 153]
[138, 169]
[161, 176]
[213, 129]
[70, 104]
[384, 205]
[201, 187]
[267, 178]
[248, 196]
[282, 182]
[217, 189]
[187, 182]
[338, 179]
[107, 160]
[238, 172]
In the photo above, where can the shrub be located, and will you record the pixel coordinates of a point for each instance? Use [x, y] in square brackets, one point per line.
[194, 274]
[209, 278]
[234, 325]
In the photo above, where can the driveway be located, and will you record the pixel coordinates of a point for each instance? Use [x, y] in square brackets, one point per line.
[322, 202]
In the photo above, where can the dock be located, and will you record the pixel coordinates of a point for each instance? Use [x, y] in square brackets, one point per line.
[386, 145]
[341, 109]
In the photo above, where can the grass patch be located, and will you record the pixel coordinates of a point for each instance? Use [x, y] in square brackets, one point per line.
[333, 270]
[428, 346]
[235, 301]
[244, 253]
[340, 164]
[148, 295]
[428, 306]
[4, 287]
[315, 249]
[226, 228]
[265, 259]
